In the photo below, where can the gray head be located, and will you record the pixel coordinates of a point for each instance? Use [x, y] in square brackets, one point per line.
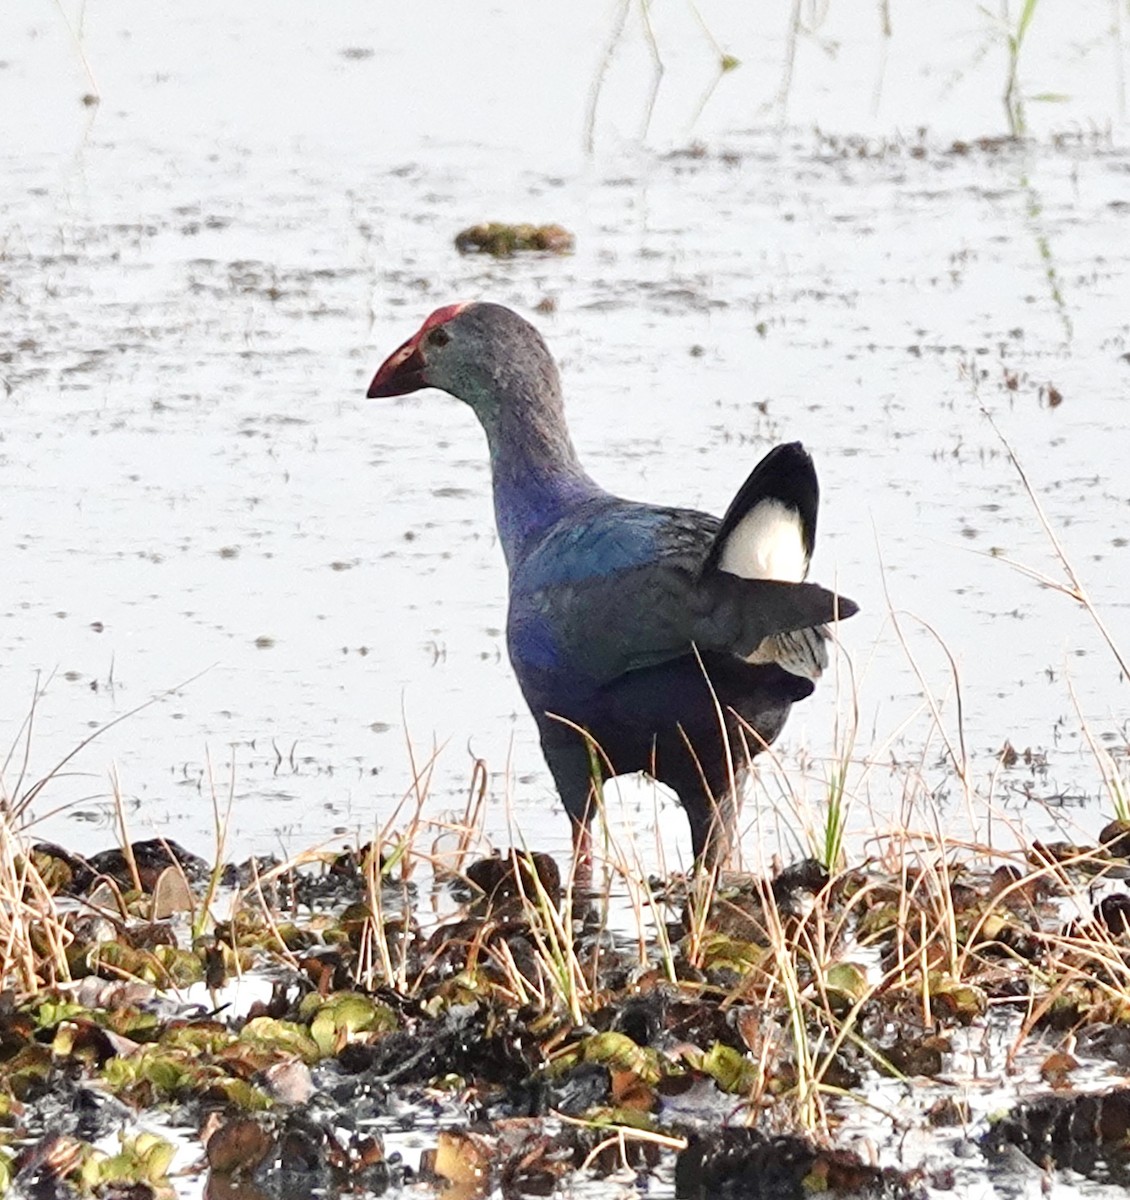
[483, 354]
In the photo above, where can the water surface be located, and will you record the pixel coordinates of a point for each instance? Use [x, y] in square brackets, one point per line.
[199, 274]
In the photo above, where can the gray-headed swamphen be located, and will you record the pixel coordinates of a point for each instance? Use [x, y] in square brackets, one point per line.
[644, 638]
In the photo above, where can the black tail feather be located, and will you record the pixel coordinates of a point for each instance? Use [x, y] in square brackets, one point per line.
[786, 474]
[744, 612]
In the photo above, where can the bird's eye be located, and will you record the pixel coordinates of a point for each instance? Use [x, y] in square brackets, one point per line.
[439, 337]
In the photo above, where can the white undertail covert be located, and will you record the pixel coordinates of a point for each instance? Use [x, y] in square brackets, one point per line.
[767, 543]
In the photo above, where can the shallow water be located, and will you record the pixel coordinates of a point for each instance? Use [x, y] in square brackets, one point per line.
[199, 274]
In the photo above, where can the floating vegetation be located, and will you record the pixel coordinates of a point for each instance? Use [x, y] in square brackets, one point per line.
[503, 241]
[720, 1044]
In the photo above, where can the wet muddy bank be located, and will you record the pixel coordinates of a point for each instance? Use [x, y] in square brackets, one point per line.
[758, 1036]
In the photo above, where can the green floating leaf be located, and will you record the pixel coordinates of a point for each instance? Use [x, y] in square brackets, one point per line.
[169, 1074]
[53, 1012]
[241, 1093]
[201, 1037]
[183, 967]
[847, 982]
[281, 1035]
[618, 1051]
[130, 1022]
[730, 1069]
[145, 1158]
[343, 1016]
[962, 1001]
[721, 952]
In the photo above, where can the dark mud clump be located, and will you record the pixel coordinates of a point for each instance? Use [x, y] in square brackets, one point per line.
[744, 1164]
[1087, 1134]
